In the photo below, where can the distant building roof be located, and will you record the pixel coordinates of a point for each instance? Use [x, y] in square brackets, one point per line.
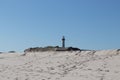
[61, 49]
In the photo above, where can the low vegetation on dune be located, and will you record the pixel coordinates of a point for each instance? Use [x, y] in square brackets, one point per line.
[51, 48]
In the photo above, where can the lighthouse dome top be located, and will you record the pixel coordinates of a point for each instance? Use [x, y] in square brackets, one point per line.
[63, 38]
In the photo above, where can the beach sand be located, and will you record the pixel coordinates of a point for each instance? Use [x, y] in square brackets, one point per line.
[64, 65]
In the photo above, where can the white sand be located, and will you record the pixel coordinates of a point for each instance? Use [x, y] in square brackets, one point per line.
[85, 65]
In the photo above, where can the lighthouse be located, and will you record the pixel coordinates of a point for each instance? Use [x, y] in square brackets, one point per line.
[63, 42]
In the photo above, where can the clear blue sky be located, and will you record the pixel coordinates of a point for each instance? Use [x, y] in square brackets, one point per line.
[87, 24]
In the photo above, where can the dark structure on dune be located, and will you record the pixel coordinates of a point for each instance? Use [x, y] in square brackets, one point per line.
[52, 48]
[63, 42]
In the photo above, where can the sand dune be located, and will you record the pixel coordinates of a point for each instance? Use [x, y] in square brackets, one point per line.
[84, 65]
